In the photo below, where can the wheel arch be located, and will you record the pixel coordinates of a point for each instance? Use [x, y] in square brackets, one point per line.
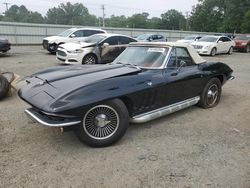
[128, 103]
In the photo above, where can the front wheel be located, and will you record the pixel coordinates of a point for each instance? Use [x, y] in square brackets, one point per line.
[213, 52]
[89, 59]
[103, 124]
[211, 93]
[4, 86]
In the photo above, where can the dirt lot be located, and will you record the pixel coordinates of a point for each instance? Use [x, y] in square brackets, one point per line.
[191, 148]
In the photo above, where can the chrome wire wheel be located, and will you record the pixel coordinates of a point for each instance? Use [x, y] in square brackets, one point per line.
[89, 59]
[212, 95]
[101, 122]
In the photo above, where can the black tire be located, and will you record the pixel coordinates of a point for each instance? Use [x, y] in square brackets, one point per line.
[4, 87]
[211, 94]
[89, 59]
[104, 124]
[213, 52]
[230, 51]
[247, 48]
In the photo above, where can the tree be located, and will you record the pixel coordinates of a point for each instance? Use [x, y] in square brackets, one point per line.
[21, 14]
[70, 14]
[138, 20]
[117, 21]
[173, 19]
[245, 27]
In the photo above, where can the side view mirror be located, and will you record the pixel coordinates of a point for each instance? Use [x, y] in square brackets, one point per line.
[219, 41]
[105, 44]
[72, 36]
[150, 39]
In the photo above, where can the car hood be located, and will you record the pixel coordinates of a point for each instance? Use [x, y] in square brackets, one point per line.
[240, 41]
[201, 43]
[54, 38]
[75, 45]
[185, 41]
[46, 87]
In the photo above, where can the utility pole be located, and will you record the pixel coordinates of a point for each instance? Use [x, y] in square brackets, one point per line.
[6, 4]
[103, 15]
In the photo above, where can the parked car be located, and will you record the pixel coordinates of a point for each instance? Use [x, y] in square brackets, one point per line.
[190, 39]
[4, 45]
[146, 81]
[71, 35]
[242, 43]
[151, 38]
[99, 48]
[212, 45]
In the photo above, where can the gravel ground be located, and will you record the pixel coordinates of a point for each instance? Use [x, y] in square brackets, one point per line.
[188, 149]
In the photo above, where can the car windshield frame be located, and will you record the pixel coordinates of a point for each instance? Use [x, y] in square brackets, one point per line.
[208, 39]
[66, 33]
[98, 38]
[160, 59]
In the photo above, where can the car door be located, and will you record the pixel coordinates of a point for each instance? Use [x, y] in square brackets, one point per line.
[227, 44]
[108, 49]
[183, 79]
[220, 46]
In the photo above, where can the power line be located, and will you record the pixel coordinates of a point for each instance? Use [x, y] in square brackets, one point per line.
[103, 15]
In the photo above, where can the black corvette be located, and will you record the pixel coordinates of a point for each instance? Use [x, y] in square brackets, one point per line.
[147, 81]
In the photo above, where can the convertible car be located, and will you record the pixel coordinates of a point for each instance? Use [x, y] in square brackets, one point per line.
[146, 81]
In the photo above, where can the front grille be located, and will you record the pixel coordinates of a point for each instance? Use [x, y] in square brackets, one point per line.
[61, 53]
[45, 44]
[197, 46]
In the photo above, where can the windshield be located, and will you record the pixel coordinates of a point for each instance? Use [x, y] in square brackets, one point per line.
[190, 38]
[145, 57]
[94, 38]
[241, 38]
[208, 39]
[65, 33]
[142, 37]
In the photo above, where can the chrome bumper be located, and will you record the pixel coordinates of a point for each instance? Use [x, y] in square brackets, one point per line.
[230, 78]
[45, 120]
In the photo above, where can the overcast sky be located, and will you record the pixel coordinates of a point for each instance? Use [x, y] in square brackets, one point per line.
[118, 7]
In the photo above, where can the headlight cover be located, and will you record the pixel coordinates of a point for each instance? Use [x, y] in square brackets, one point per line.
[75, 51]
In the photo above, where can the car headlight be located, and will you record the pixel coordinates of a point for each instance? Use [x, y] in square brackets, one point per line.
[75, 51]
[206, 47]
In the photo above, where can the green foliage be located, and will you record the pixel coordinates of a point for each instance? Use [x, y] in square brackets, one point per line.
[116, 21]
[138, 20]
[70, 14]
[21, 14]
[173, 19]
[245, 27]
[219, 15]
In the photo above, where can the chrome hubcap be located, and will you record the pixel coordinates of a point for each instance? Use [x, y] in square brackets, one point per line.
[212, 94]
[90, 60]
[101, 122]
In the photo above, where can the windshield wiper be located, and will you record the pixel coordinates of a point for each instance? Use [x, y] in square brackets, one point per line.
[129, 65]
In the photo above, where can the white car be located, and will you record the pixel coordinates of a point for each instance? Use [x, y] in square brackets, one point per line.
[99, 48]
[212, 45]
[190, 39]
[71, 35]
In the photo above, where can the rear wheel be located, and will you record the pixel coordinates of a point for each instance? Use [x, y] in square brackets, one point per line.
[103, 124]
[248, 48]
[211, 93]
[230, 51]
[89, 59]
[4, 86]
[213, 52]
